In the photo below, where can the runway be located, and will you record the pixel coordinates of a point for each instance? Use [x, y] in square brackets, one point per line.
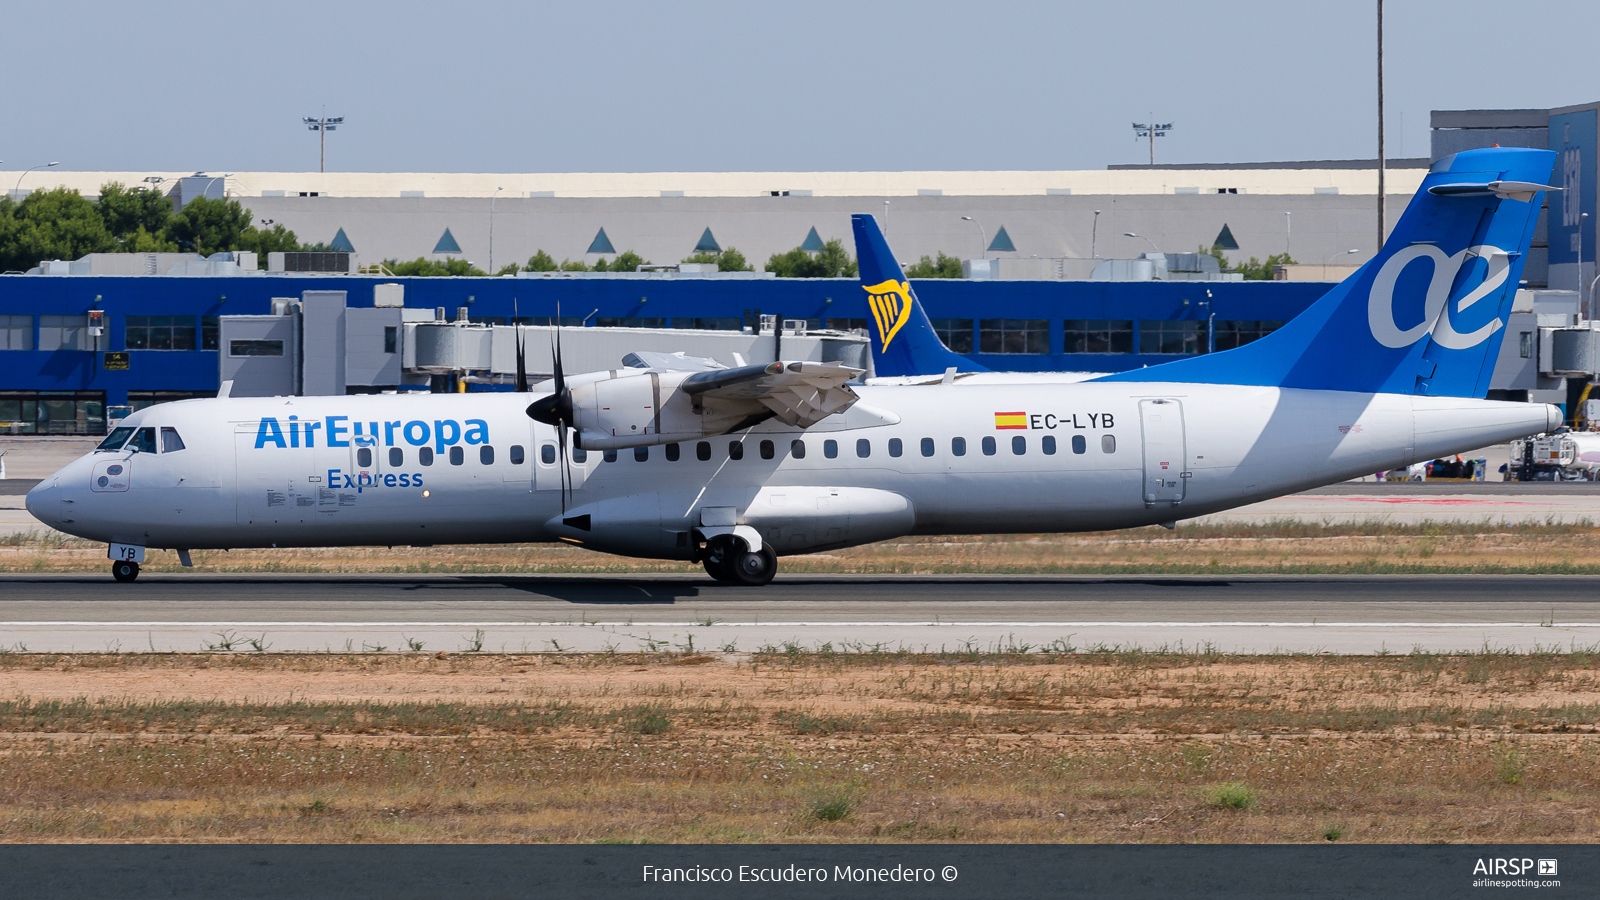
[1255, 614]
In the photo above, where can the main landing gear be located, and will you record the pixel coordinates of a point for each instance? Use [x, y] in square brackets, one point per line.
[124, 570]
[730, 560]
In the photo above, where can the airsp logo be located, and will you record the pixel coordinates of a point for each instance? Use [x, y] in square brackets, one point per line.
[1436, 316]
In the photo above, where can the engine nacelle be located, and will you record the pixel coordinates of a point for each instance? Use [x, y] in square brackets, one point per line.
[635, 411]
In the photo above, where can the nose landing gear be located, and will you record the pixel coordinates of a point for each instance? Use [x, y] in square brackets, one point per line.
[730, 560]
[124, 570]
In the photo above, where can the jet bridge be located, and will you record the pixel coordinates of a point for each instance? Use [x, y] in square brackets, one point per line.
[317, 345]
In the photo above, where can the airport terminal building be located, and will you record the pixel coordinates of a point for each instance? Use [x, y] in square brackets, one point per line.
[80, 336]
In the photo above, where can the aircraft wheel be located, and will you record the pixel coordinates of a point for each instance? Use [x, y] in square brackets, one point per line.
[719, 557]
[124, 571]
[757, 568]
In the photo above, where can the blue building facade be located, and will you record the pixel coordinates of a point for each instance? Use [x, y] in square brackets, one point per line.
[157, 335]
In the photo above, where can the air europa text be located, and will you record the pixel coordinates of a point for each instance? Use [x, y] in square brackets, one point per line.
[339, 431]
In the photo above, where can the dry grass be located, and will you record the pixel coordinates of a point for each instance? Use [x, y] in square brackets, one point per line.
[800, 747]
[1286, 546]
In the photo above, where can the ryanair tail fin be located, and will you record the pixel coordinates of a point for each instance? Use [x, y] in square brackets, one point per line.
[1424, 316]
[903, 340]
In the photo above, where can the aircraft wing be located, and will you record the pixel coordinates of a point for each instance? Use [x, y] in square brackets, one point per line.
[797, 393]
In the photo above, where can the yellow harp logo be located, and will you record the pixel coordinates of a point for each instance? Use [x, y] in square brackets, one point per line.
[891, 307]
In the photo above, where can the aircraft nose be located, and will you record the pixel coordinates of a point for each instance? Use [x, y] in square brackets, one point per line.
[42, 500]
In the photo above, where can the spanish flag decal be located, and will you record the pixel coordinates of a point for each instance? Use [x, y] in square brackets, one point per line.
[890, 302]
[1004, 420]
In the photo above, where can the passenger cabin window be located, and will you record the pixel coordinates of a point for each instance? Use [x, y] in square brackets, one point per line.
[735, 450]
[641, 454]
[580, 455]
[425, 456]
[363, 457]
[767, 450]
[144, 441]
[863, 448]
[486, 455]
[702, 451]
[958, 446]
[609, 456]
[927, 446]
[458, 456]
[1048, 442]
[1019, 445]
[115, 439]
[516, 454]
[1108, 443]
[895, 447]
[547, 454]
[1079, 444]
[673, 452]
[170, 442]
[397, 457]
[988, 446]
[797, 449]
[830, 449]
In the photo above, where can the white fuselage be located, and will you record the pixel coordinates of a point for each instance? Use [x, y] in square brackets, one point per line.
[1124, 455]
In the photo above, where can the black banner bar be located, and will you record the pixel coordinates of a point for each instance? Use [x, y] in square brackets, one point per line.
[814, 872]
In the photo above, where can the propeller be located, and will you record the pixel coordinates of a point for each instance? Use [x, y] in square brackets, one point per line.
[556, 409]
[522, 354]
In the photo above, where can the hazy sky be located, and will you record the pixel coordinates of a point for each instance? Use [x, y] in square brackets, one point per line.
[488, 85]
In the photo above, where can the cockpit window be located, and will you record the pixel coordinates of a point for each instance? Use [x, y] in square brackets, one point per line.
[144, 441]
[115, 439]
[170, 442]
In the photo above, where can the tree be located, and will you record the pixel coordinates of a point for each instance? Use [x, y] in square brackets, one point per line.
[428, 268]
[626, 261]
[832, 261]
[540, 262]
[1255, 270]
[729, 260]
[141, 241]
[943, 267]
[276, 239]
[53, 224]
[127, 211]
[206, 226]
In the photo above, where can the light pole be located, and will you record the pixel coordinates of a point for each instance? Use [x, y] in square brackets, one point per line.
[1094, 234]
[1151, 130]
[983, 238]
[885, 218]
[50, 164]
[1382, 200]
[1329, 261]
[492, 198]
[1288, 234]
[1142, 238]
[1583, 302]
[323, 124]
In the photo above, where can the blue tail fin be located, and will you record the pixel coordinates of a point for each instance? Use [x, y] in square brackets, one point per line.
[903, 340]
[1427, 314]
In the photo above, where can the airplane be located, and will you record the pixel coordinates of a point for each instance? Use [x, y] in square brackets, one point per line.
[672, 458]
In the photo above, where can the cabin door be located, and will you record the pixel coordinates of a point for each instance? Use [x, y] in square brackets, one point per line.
[1166, 469]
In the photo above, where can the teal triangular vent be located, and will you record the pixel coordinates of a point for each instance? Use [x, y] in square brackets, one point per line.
[1225, 239]
[813, 241]
[708, 244]
[341, 243]
[1002, 241]
[601, 243]
[447, 243]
